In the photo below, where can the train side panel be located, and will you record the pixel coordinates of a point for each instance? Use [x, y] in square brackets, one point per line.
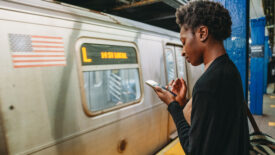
[41, 106]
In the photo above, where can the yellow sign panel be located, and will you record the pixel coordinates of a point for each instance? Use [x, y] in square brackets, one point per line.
[271, 123]
[114, 55]
[96, 54]
[84, 55]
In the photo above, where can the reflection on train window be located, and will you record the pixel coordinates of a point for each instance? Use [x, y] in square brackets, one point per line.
[111, 76]
[170, 65]
[180, 63]
[97, 79]
[118, 86]
[175, 63]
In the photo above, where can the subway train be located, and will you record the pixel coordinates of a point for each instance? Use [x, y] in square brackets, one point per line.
[73, 81]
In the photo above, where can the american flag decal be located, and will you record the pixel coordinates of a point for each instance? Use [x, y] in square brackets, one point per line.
[36, 51]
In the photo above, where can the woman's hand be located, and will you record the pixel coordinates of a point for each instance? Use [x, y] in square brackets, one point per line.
[179, 88]
[164, 95]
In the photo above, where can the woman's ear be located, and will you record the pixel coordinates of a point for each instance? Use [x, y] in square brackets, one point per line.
[203, 33]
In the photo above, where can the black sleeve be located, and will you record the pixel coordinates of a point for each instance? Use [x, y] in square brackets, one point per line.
[193, 138]
[182, 126]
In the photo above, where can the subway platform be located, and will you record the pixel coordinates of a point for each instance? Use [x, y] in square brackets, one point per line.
[266, 122]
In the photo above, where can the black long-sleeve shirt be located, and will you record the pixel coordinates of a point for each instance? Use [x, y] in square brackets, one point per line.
[218, 119]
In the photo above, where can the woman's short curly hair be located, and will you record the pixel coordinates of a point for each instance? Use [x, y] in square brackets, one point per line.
[210, 14]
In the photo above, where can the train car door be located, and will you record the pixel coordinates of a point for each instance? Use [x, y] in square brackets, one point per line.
[175, 67]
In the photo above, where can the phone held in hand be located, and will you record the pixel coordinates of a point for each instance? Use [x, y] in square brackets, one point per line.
[154, 84]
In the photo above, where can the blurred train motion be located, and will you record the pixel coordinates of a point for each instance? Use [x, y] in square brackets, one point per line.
[72, 81]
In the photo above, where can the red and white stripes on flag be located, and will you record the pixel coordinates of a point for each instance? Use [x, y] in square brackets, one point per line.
[36, 51]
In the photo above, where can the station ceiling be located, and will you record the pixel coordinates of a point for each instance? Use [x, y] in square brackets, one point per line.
[264, 8]
[160, 13]
[269, 11]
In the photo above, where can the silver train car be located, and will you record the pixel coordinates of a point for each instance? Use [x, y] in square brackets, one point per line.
[72, 81]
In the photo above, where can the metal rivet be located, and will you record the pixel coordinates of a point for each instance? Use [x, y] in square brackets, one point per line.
[122, 145]
[11, 107]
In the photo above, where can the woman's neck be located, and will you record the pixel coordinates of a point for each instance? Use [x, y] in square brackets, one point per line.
[213, 50]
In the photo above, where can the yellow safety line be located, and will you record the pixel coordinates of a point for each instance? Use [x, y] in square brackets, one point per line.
[272, 97]
[174, 148]
[271, 123]
[272, 106]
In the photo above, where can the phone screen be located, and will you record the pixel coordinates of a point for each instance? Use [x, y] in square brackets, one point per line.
[153, 84]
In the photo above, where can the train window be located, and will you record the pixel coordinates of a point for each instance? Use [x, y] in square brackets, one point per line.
[97, 76]
[180, 60]
[170, 65]
[111, 76]
[119, 86]
[175, 63]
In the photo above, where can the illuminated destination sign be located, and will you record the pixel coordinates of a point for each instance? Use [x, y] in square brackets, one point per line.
[113, 55]
[98, 54]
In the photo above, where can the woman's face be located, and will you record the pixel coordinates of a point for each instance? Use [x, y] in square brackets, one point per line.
[191, 47]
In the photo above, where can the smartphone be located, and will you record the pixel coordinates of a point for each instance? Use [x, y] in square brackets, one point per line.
[153, 84]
